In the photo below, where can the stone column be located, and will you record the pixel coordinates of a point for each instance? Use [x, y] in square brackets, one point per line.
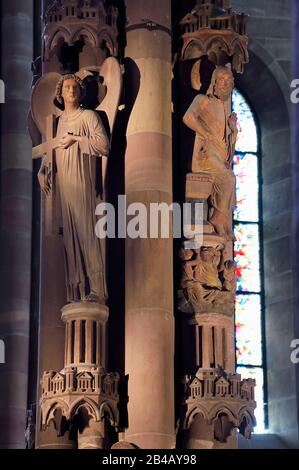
[16, 202]
[216, 400]
[148, 175]
[53, 297]
[295, 173]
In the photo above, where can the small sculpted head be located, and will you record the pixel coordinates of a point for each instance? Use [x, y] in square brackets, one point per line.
[207, 254]
[70, 90]
[222, 83]
[185, 255]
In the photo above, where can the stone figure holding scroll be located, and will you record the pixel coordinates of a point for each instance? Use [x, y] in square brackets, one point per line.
[81, 139]
[216, 134]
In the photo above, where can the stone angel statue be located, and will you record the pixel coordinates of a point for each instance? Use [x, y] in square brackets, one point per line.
[80, 140]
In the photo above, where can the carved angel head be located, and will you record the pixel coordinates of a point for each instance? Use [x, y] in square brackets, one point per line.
[60, 91]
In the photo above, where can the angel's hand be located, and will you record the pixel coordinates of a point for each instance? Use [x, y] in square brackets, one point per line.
[44, 180]
[66, 141]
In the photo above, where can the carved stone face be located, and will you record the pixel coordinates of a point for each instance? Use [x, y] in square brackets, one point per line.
[71, 92]
[207, 254]
[185, 255]
[224, 85]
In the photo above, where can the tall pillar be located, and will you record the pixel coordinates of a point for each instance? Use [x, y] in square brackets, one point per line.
[16, 201]
[295, 173]
[51, 328]
[71, 356]
[149, 262]
[216, 401]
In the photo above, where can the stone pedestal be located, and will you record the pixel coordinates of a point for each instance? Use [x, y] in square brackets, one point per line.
[81, 398]
[214, 339]
[85, 335]
[198, 190]
[217, 404]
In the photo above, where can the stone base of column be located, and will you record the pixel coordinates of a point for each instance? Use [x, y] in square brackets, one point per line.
[93, 436]
[51, 439]
[81, 397]
[215, 405]
[148, 440]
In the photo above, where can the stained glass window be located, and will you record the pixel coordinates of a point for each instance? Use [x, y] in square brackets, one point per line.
[249, 323]
[247, 257]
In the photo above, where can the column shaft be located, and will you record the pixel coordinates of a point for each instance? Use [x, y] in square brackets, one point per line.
[149, 263]
[53, 297]
[295, 174]
[16, 213]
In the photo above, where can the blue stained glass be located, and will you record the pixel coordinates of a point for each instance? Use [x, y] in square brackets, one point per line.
[248, 317]
[246, 252]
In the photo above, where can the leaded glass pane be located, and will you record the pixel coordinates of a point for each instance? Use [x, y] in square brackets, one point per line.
[247, 138]
[248, 324]
[247, 188]
[248, 330]
[246, 251]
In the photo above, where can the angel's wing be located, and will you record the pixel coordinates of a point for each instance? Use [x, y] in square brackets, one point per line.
[112, 75]
[42, 97]
[33, 130]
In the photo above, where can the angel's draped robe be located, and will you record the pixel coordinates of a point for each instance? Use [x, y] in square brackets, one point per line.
[77, 175]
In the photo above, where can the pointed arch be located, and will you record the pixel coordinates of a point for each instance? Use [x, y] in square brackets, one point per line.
[60, 33]
[265, 85]
[86, 32]
[221, 408]
[57, 39]
[105, 36]
[89, 404]
[193, 413]
[49, 411]
[106, 411]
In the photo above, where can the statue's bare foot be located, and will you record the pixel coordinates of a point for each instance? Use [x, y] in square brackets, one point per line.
[91, 297]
